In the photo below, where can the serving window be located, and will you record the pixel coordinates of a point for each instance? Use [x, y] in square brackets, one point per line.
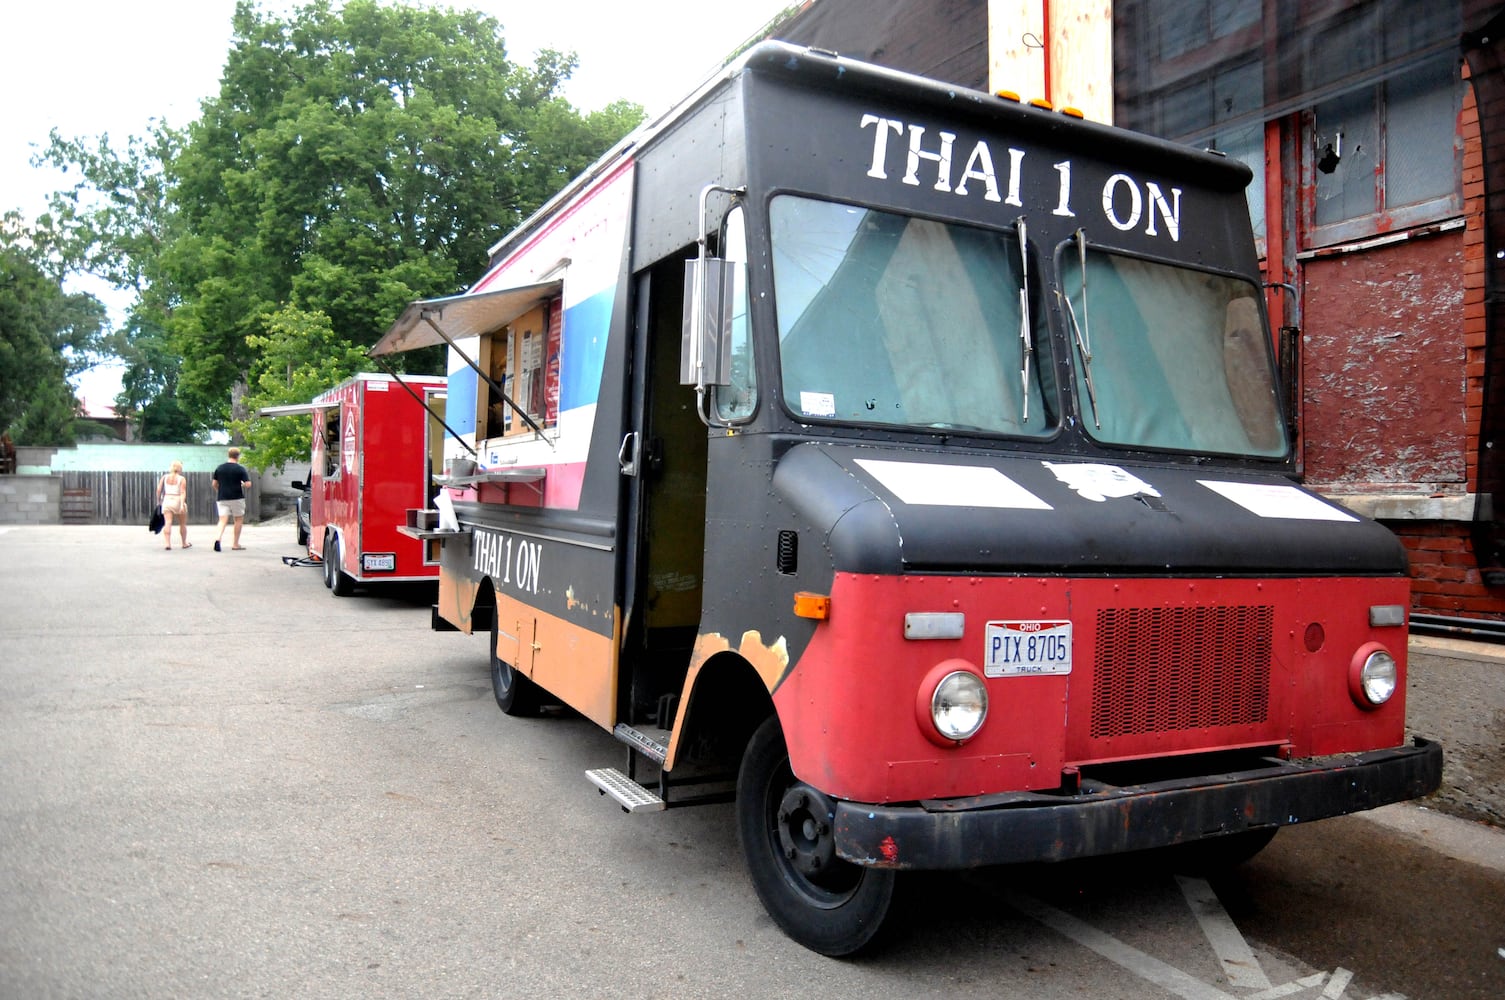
[524, 362]
[330, 442]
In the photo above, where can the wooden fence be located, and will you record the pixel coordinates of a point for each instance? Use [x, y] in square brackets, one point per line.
[128, 498]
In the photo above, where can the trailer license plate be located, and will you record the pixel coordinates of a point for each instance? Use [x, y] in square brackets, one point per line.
[1016, 649]
[379, 562]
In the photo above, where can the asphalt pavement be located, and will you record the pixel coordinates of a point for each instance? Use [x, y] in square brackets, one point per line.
[1455, 693]
[218, 780]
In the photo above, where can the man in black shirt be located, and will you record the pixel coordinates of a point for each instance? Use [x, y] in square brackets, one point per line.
[230, 483]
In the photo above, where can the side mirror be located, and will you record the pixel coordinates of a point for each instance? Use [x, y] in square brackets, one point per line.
[299, 485]
[705, 356]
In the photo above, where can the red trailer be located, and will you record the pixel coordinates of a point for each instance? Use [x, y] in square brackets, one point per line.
[377, 443]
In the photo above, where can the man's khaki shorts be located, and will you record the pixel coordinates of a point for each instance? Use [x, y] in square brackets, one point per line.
[231, 508]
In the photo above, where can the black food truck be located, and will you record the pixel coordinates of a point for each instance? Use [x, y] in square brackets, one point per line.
[941, 508]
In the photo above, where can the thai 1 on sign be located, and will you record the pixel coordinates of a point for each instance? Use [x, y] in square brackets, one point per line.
[509, 560]
[1018, 648]
[1126, 200]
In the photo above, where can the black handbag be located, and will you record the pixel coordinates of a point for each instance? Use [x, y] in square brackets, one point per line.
[155, 524]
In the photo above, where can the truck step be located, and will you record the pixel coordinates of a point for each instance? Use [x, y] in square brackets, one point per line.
[628, 794]
[651, 743]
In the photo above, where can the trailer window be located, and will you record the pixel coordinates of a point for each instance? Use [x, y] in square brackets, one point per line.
[1178, 358]
[890, 319]
[330, 442]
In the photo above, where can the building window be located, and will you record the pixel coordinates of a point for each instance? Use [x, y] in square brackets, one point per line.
[1383, 74]
[1385, 156]
[1234, 91]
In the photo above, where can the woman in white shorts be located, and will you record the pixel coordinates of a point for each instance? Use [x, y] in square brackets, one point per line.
[172, 494]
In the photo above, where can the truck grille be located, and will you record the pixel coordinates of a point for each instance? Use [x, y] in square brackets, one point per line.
[1171, 669]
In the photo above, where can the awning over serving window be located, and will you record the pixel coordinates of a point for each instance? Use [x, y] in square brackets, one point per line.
[460, 316]
[291, 409]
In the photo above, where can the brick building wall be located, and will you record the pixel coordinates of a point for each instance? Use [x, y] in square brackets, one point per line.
[1444, 568]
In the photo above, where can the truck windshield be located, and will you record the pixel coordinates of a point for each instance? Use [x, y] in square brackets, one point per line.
[890, 319]
[1168, 357]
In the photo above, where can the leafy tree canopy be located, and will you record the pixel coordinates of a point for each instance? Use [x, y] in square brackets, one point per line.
[113, 223]
[356, 157]
[46, 335]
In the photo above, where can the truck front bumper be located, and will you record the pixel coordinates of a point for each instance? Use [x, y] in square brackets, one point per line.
[1028, 826]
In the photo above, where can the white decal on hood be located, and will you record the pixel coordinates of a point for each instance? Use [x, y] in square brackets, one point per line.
[933, 485]
[1099, 482]
[1286, 502]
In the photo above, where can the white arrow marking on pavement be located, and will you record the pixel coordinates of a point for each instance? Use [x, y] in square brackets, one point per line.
[1239, 963]
[1144, 966]
[1341, 978]
[1290, 989]
[1172, 979]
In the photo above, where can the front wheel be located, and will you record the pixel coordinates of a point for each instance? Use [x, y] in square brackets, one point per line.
[515, 694]
[828, 905]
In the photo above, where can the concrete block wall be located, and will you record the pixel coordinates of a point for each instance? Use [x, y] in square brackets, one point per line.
[30, 499]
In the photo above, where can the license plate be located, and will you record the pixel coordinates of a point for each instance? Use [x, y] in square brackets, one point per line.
[1016, 649]
[379, 562]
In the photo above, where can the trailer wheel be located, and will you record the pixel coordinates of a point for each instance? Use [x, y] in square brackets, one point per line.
[828, 905]
[340, 584]
[516, 695]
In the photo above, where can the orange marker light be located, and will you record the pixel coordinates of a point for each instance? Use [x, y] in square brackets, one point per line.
[808, 605]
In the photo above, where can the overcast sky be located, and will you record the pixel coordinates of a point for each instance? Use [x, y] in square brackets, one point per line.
[93, 67]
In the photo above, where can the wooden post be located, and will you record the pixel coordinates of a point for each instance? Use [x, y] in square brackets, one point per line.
[1059, 50]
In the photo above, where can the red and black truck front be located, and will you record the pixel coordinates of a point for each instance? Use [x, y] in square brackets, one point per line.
[1002, 507]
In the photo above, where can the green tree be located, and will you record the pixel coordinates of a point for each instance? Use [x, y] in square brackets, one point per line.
[355, 158]
[300, 357]
[46, 335]
[149, 384]
[561, 144]
[113, 223]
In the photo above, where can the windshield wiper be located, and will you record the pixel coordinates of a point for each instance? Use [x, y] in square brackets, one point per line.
[1082, 332]
[1025, 333]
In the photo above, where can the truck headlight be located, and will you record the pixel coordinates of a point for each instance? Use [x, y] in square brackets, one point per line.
[958, 702]
[1372, 676]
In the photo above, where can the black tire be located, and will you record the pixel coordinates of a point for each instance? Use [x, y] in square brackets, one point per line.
[828, 905]
[302, 536]
[326, 561]
[340, 585]
[516, 695]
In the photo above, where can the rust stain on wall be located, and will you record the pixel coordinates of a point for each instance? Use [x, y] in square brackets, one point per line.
[1383, 372]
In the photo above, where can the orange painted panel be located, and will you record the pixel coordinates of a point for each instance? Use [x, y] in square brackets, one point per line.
[572, 663]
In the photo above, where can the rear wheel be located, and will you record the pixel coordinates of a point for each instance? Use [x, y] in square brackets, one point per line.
[515, 694]
[340, 584]
[826, 904]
